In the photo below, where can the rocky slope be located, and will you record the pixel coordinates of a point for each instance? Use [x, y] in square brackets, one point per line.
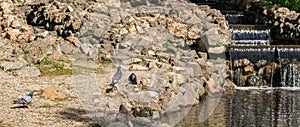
[68, 51]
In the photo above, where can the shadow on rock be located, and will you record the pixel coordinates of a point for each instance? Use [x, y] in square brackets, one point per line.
[18, 107]
[75, 114]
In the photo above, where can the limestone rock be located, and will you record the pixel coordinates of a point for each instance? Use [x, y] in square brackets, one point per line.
[28, 72]
[53, 93]
[144, 97]
[137, 67]
[12, 65]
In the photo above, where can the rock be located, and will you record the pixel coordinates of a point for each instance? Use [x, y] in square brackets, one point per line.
[85, 48]
[229, 84]
[175, 78]
[137, 67]
[152, 65]
[12, 65]
[253, 80]
[141, 121]
[241, 62]
[75, 41]
[144, 97]
[203, 55]
[260, 63]
[249, 70]
[12, 34]
[136, 60]
[64, 18]
[216, 52]
[117, 124]
[28, 72]
[66, 48]
[155, 115]
[142, 111]
[269, 70]
[53, 93]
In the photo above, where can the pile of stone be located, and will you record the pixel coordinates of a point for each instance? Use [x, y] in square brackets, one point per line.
[167, 44]
[64, 18]
[285, 24]
[14, 26]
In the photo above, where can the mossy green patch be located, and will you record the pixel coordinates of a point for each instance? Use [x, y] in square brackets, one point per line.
[49, 67]
[168, 43]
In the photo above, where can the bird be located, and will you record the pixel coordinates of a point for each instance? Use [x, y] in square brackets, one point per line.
[25, 100]
[132, 79]
[116, 77]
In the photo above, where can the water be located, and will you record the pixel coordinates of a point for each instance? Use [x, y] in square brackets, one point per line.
[289, 66]
[251, 107]
[250, 34]
[250, 42]
[252, 54]
[235, 18]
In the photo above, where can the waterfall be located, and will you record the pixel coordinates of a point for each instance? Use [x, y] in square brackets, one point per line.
[243, 57]
[235, 18]
[252, 54]
[250, 34]
[289, 66]
[250, 42]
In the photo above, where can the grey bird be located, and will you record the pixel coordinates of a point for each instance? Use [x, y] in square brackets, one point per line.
[24, 100]
[117, 76]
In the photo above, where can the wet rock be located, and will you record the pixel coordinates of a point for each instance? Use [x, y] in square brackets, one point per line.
[249, 70]
[241, 62]
[253, 80]
[260, 63]
[269, 71]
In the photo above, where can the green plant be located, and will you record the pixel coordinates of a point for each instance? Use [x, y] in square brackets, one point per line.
[106, 62]
[25, 51]
[48, 67]
[168, 43]
[291, 4]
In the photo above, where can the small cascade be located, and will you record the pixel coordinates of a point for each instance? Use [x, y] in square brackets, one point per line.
[250, 37]
[250, 34]
[249, 65]
[235, 18]
[250, 42]
[289, 67]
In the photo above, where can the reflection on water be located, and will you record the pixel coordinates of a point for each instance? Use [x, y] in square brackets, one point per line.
[268, 107]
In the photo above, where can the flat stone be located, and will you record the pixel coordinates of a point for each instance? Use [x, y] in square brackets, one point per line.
[66, 48]
[137, 67]
[12, 65]
[28, 72]
[144, 97]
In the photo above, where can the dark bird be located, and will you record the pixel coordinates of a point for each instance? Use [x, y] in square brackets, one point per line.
[117, 76]
[24, 100]
[132, 79]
